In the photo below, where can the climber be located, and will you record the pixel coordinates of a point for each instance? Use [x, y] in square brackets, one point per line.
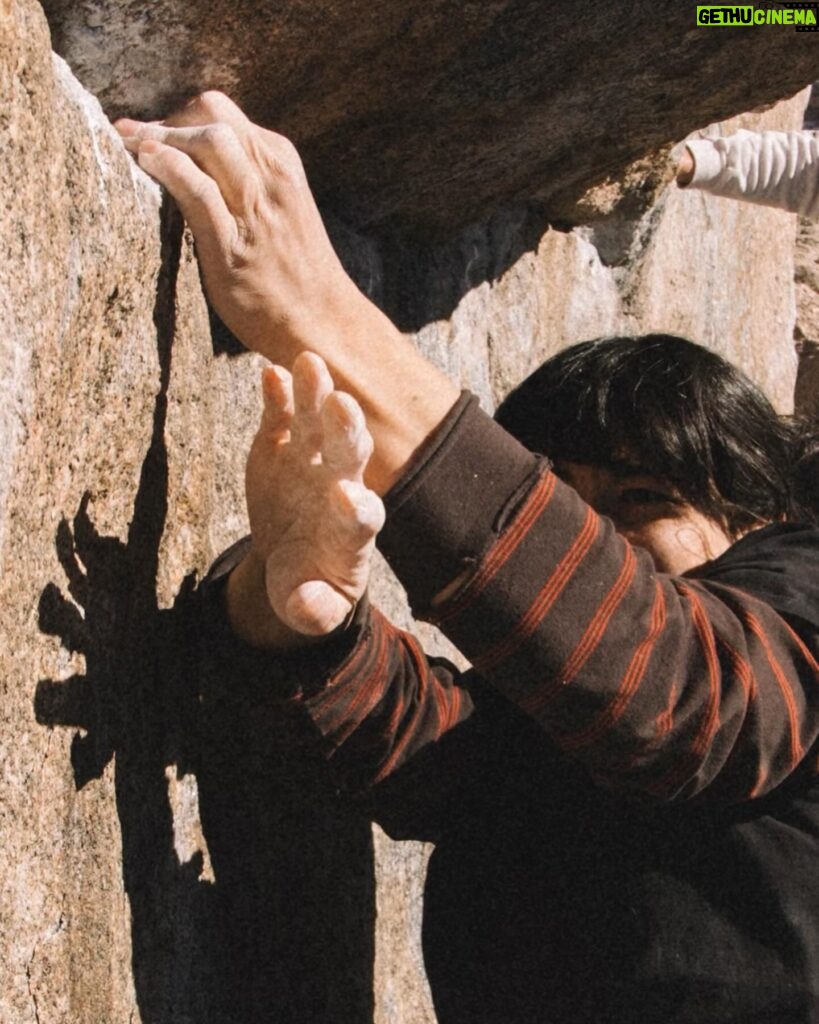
[623, 791]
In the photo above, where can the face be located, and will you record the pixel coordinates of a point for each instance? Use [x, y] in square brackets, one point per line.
[650, 513]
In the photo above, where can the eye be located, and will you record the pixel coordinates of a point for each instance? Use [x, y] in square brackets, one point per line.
[647, 496]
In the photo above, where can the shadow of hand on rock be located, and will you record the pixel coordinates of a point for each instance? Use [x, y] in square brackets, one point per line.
[130, 704]
[93, 621]
[257, 904]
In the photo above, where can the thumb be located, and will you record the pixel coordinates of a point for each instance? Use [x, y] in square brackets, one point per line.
[316, 608]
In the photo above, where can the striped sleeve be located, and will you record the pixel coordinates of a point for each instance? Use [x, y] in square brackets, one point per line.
[661, 685]
[373, 695]
[384, 703]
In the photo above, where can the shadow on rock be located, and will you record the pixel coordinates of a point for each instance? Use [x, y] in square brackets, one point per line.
[271, 918]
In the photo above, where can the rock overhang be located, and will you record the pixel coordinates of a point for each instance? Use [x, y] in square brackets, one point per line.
[426, 116]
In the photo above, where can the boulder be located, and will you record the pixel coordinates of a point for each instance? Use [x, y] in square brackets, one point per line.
[170, 860]
[426, 115]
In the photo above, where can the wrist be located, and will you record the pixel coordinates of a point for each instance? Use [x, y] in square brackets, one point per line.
[250, 614]
[317, 323]
[685, 168]
[404, 397]
[707, 162]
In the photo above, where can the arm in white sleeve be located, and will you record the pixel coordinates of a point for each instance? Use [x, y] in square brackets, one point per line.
[771, 168]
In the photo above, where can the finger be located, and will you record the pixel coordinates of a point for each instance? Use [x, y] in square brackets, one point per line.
[316, 608]
[128, 127]
[208, 108]
[346, 443]
[277, 394]
[358, 512]
[197, 194]
[215, 148]
[312, 384]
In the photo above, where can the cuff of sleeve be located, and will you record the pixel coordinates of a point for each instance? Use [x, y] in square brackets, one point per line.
[708, 162]
[453, 501]
[289, 675]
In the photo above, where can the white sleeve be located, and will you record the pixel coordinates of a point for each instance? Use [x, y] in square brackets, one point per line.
[772, 168]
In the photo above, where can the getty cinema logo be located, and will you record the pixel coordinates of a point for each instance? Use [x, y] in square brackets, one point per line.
[804, 17]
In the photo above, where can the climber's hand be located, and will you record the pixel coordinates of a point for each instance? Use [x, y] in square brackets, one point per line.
[268, 265]
[274, 278]
[313, 522]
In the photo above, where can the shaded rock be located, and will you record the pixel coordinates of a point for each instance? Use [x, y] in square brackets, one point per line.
[431, 114]
[806, 333]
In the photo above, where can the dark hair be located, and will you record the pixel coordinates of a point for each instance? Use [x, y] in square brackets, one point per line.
[673, 407]
[805, 473]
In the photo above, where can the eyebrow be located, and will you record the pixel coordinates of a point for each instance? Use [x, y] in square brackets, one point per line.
[622, 467]
[618, 467]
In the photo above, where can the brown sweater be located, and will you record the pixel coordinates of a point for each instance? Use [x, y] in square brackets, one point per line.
[659, 685]
[623, 793]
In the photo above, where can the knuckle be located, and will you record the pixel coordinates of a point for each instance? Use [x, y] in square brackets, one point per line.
[212, 101]
[283, 160]
[217, 135]
[375, 511]
[367, 445]
[287, 153]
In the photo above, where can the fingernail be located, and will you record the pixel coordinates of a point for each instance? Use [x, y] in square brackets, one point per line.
[125, 126]
[270, 381]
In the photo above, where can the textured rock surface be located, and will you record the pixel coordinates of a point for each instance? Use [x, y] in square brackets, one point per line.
[122, 440]
[154, 873]
[806, 333]
[79, 369]
[806, 397]
[428, 112]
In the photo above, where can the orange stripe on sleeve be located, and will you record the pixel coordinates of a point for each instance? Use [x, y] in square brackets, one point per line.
[803, 649]
[797, 751]
[691, 757]
[346, 678]
[591, 637]
[710, 722]
[630, 683]
[745, 675]
[534, 505]
[742, 669]
[426, 682]
[665, 720]
[549, 593]
[369, 690]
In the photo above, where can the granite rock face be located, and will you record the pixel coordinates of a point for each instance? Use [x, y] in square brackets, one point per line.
[171, 864]
[427, 113]
[806, 397]
[806, 331]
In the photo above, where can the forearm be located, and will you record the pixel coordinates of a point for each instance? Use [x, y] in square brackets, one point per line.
[770, 168]
[404, 397]
[250, 614]
[370, 691]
